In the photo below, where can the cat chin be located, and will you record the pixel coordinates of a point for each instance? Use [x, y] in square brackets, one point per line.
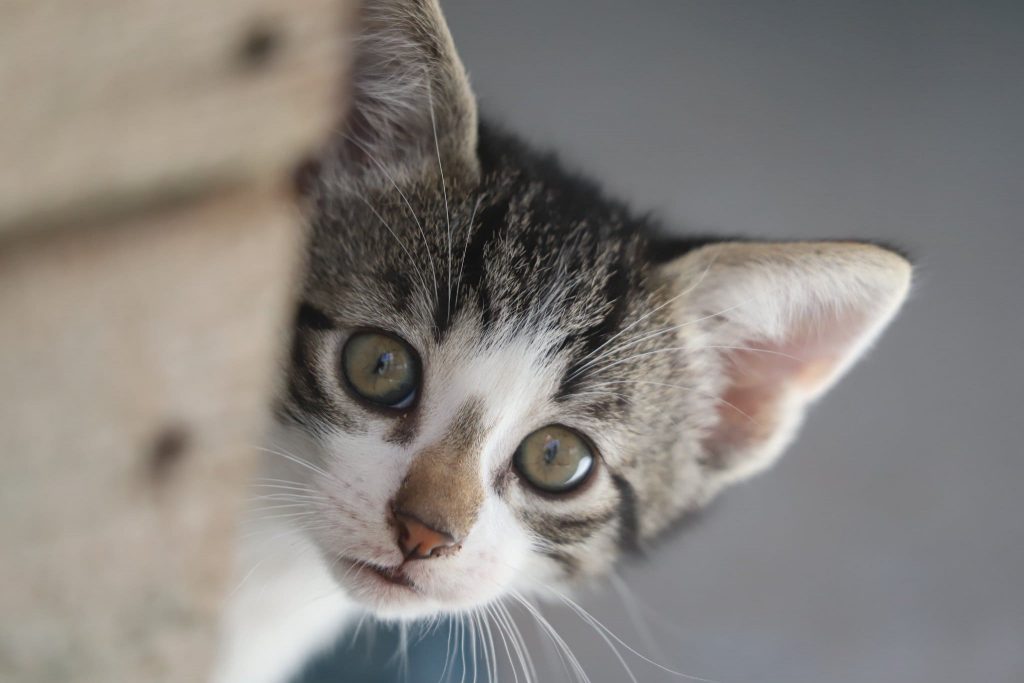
[383, 595]
[377, 592]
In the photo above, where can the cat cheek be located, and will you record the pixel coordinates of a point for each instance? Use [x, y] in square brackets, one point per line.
[485, 572]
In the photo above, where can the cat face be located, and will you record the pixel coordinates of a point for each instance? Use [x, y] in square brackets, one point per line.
[481, 425]
[501, 381]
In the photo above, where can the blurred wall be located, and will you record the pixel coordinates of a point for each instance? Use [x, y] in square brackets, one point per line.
[147, 246]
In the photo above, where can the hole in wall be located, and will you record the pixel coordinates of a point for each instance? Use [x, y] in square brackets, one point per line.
[260, 45]
[167, 449]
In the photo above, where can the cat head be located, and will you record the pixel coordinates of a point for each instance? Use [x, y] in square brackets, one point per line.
[500, 379]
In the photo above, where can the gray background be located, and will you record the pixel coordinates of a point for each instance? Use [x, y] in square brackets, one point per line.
[888, 545]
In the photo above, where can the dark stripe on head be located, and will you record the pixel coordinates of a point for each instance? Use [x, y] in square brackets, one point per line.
[586, 344]
[303, 384]
[442, 316]
[304, 387]
[404, 431]
[686, 521]
[467, 427]
[400, 287]
[492, 226]
[569, 563]
[569, 530]
[629, 523]
[285, 412]
[311, 318]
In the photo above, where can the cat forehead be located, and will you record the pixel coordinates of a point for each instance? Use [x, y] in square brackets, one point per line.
[512, 379]
[524, 236]
[419, 263]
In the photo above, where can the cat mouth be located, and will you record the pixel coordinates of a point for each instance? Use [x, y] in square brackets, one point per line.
[391, 575]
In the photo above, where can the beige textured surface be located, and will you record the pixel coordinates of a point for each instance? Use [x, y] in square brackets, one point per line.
[112, 104]
[115, 344]
[146, 259]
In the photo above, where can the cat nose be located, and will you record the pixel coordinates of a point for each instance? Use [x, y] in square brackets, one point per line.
[420, 542]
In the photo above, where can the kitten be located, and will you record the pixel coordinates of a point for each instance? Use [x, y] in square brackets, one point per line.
[502, 381]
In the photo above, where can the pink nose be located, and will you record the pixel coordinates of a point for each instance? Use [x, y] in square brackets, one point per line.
[419, 541]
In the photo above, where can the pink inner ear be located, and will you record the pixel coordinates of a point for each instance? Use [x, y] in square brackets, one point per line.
[770, 379]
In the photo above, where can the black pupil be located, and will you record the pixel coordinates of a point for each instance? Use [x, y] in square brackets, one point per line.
[383, 363]
[550, 451]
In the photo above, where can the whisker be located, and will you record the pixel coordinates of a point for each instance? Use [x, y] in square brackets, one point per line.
[447, 653]
[281, 506]
[261, 503]
[650, 335]
[655, 310]
[669, 349]
[462, 649]
[519, 644]
[492, 656]
[472, 644]
[629, 604]
[706, 394]
[771, 352]
[603, 630]
[547, 628]
[278, 489]
[405, 199]
[297, 461]
[608, 635]
[504, 642]
[415, 263]
[444, 192]
[465, 248]
[359, 626]
[284, 482]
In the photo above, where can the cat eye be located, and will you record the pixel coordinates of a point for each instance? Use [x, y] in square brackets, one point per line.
[381, 369]
[554, 459]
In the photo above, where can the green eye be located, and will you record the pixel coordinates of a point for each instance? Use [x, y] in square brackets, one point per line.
[381, 369]
[554, 459]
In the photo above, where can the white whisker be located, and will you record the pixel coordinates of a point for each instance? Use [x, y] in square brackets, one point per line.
[645, 337]
[444, 190]
[717, 399]
[654, 310]
[412, 211]
[415, 263]
[465, 247]
[298, 461]
[555, 637]
[608, 636]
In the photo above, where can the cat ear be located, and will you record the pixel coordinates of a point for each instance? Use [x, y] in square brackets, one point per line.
[410, 108]
[779, 324]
